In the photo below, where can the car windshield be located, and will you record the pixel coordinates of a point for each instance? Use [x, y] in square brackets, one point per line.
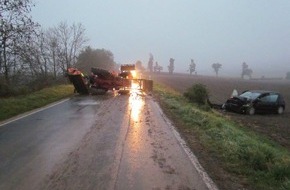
[250, 95]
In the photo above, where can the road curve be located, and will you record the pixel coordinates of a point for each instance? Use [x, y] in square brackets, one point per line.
[97, 142]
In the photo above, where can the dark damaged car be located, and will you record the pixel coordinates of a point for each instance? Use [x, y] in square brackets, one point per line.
[256, 101]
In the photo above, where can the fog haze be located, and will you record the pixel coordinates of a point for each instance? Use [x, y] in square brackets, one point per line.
[225, 31]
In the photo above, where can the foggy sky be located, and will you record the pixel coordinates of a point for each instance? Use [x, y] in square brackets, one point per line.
[226, 31]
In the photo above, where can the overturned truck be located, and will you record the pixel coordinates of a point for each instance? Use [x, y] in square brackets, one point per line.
[100, 81]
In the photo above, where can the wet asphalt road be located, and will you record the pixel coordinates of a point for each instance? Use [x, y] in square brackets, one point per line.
[96, 142]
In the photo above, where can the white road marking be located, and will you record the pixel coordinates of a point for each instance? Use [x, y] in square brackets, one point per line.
[15, 118]
[206, 179]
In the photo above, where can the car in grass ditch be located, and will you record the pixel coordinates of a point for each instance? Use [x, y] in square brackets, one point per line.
[256, 101]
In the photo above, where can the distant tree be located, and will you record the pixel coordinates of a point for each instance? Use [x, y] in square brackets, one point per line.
[192, 67]
[157, 68]
[53, 52]
[216, 67]
[139, 66]
[246, 71]
[288, 75]
[150, 63]
[100, 58]
[171, 66]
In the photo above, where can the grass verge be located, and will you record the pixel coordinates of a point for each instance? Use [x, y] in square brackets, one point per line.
[257, 161]
[16, 105]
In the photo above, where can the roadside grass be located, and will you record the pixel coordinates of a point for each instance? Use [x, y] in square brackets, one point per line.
[13, 106]
[261, 163]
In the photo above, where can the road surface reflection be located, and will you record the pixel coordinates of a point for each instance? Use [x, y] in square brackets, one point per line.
[136, 102]
[135, 137]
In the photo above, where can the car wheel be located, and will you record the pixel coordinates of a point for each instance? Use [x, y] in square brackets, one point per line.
[251, 111]
[280, 110]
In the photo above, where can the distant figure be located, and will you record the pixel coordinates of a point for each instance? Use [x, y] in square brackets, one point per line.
[192, 67]
[171, 66]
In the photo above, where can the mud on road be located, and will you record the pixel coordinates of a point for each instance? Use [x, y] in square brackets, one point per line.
[131, 146]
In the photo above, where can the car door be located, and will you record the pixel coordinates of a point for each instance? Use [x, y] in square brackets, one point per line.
[267, 103]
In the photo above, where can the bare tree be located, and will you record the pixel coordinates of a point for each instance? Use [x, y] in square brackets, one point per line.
[192, 67]
[288, 75]
[246, 71]
[69, 40]
[150, 63]
[216, 67]
[35, 57]
[171, 65]
[139, 66]
[54, 52]
[16, 29]
[157, 68]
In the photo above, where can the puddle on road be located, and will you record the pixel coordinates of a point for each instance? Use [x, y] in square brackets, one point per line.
[86, 100]
[88, 103]
[136, 133]
[136, 103]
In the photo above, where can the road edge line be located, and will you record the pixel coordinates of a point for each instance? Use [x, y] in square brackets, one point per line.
[23, 115]
[203, 174]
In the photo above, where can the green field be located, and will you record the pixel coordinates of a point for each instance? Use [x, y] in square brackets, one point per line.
[16, 105]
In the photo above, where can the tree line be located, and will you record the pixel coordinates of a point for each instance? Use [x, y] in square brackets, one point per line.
[246, 71]
[32, 57]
